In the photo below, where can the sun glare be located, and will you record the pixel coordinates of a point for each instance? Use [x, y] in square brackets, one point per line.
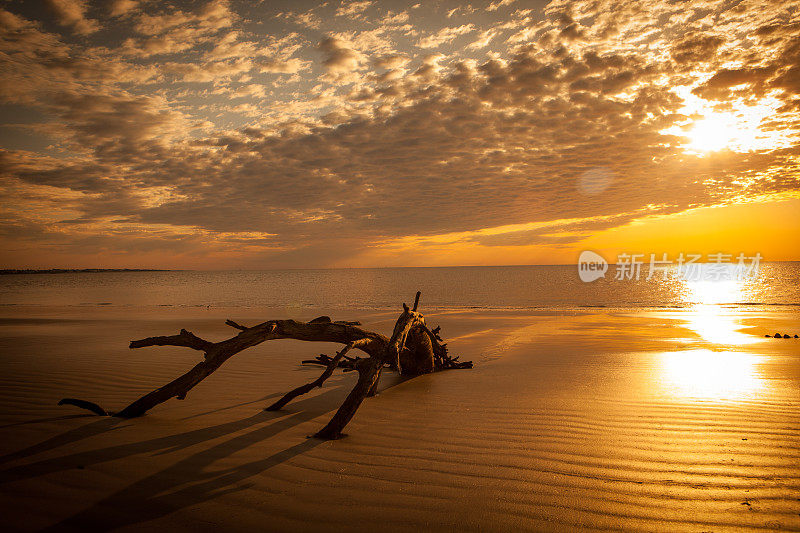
[741, 129]
[707, 319]
[716, 373]
[718, 131]
[710, 375]
[718, 327]
[710, 292]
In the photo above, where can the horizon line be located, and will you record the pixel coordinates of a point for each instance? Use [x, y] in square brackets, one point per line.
[136, 269]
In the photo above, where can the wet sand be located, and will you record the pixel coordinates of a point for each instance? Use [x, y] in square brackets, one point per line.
[667, 420]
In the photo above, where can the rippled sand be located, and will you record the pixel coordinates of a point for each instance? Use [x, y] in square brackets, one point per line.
[682, 420]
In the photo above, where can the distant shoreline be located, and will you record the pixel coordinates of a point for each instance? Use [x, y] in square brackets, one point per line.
[6, 271]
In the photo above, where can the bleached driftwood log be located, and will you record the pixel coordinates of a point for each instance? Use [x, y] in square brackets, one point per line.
[412, 349]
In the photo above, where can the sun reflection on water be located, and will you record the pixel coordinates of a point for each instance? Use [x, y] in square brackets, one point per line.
[708, 374]
[718, 372]
[707, 318]
[715, 326]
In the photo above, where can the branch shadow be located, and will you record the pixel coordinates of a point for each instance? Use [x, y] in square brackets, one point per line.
[86, 431]
[190, 480]
[156, 496]
[311, 408]
[46, 419]
[233, 406]
[96, 427]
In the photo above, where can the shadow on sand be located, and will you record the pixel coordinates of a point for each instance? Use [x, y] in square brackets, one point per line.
[185, 483]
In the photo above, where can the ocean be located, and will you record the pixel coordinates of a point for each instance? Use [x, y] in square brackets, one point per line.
[776, 284]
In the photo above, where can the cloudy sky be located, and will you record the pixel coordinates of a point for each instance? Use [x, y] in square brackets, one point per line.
[246, 134]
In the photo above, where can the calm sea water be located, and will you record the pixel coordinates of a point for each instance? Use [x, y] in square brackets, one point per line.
[507, 287]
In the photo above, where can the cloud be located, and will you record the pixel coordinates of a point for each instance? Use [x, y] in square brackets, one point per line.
[39, 64]
[494, 6]
[307, 19]
[214, 71]
[483, 39]
[696, 47]
[10, 22]
[206, 133]
[390, 62]
[177, 31]
[460, 10]
[289, 66]
[339, 58]
[555, 232]
[73, 13]
[119, 8]
[211, 16]
[392, 18]
[445, 35]
[352, 8]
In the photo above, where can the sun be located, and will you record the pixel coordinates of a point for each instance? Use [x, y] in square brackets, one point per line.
[716, 132]
[739, 131]
[743, 127]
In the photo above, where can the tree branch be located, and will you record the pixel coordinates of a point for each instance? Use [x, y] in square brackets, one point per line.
[422, 351]
[184, 338]
[303, 389]
[233, 324]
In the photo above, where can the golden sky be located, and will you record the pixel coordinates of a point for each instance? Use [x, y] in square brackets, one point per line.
[222, 134]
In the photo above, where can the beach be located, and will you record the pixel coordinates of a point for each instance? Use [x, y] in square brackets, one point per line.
[570, 231]
[680, 419]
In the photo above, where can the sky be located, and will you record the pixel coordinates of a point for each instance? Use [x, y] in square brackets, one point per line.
[289, 134]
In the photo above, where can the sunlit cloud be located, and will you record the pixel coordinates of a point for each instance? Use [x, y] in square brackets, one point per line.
[72, 13]
[743, 126]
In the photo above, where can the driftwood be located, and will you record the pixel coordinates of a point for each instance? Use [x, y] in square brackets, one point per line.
[412, 349]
